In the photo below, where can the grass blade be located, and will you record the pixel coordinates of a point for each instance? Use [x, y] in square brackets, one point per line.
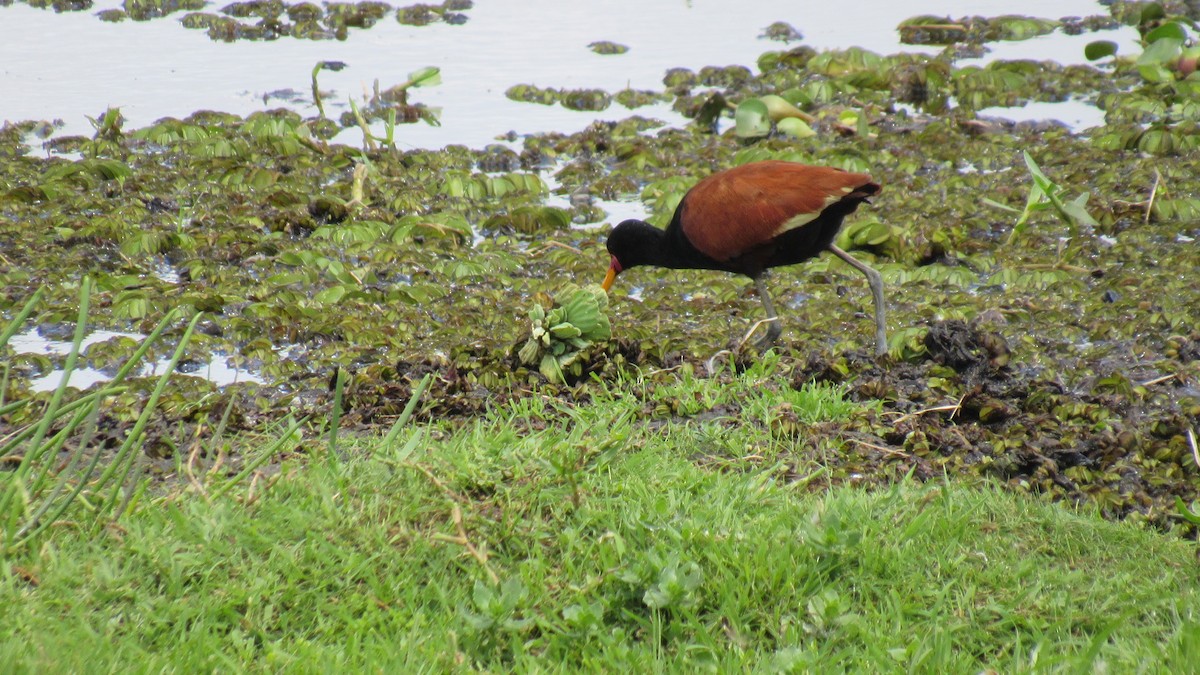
[34, 452]
[335, 416]
[139, 427]
[258, 461]
[407, 413]
[19, 320]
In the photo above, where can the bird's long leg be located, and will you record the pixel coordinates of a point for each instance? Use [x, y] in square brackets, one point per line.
[774, 327]
[876, 283]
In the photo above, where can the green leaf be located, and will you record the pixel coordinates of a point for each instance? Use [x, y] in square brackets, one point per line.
[296, 258]
[529, 351]
[1185, 209]
[1151, 12]
[565, 331]
[1171, 30]
[1160, 52]
[1035, 202]
[109, 169]
[586, 310]
[1099, 49]
[498, 186]
[537, 313]
[131, 305]
[752, 119]
[779, 108]
[331, 295]
[425, 77]
[998, 205]
[1155, 73]
[1036, 172]
[551, 370]
[1188, 515]
[795, 127]
[1077, 211]
[877, 234]
[1022, 27]
[454, 187]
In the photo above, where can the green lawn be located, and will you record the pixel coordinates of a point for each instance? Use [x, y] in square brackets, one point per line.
[559, 538]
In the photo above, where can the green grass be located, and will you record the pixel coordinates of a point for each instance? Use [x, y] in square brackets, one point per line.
[559, 538]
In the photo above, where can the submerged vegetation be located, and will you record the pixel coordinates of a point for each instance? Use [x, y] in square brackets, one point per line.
[1045, 324]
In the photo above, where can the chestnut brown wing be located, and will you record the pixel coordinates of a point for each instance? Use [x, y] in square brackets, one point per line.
[734, 211]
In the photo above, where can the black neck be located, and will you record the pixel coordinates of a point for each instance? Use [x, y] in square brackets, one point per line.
[635, 243]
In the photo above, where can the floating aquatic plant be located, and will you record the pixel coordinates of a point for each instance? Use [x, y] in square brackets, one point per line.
[754, 117]
[1168, 52]
[935, 30]
[606, 47]
[559, 335]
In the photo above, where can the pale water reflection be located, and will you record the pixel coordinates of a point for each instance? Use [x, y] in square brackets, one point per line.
[68, 66]
[219, 370]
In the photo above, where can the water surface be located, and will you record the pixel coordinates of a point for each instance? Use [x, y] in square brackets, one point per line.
[69, 66]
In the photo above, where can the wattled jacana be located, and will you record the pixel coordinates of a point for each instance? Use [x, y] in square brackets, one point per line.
[749, 219]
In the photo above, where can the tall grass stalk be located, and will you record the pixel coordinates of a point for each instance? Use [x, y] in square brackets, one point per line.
[43, 487]
[135, 435]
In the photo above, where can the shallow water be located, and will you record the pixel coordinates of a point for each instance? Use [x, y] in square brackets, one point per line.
[1078, 115]
[217, 371]
[69, 66]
